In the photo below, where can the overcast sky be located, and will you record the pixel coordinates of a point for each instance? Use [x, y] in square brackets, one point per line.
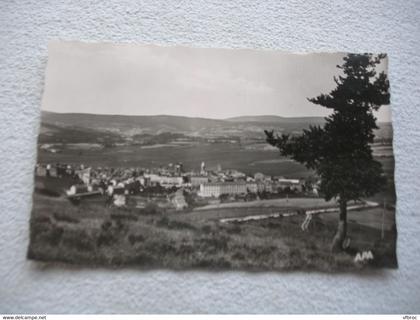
[212, 83]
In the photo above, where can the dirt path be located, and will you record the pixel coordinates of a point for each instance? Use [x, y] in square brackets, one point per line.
[365, 205]
[281, 203]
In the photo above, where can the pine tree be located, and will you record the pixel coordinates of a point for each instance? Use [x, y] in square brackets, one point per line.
[340, 151]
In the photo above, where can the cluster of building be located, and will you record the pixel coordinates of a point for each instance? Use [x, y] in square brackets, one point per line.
[204, 183]
[216, 189]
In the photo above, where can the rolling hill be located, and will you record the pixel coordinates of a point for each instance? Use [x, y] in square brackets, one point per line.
[79, 127]
[130, 125]
[277, 119]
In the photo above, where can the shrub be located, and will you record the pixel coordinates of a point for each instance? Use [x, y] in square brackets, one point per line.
[238, 256]
[41, 219]
[216, 263]
[151, 208]
[78, 239]
[105, 239]
[43, 229]
[123, 216]
[295, 258]
[61, 216]
[143, 258]
[163, 222]
[106, 225]
[111, 231]
[185, 249]
[206, 229]
[173, 224]
[158, 248]
[47, 192]
[55, 235]
[40, 225]
[235, 229]
[213, 244]
[134, 238]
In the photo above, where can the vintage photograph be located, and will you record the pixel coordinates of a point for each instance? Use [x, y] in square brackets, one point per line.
[227, 159]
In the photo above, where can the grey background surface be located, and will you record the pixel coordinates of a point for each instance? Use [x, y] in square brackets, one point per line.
[374, 26]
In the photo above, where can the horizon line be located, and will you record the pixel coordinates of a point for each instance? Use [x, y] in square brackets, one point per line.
[191, 117]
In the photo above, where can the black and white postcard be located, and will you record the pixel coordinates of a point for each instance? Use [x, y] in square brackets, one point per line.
[227, 159]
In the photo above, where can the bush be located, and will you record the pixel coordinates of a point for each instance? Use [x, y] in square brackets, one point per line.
[41, 219]
[55, 235]
[40, 225]
[185, 249]
[295, 259]
[105, 239]
[224, 197]
[163, 222]
[78, 239]
[190, 199]
[158, 248]
[143, 258]
[111, 231]
[151, 208]
[61, 216]
[213, 244]
[206, 229]
[106, 225]
[134, 238]
[43, 229]
[238, 256]
[173, 224]
[122, 216]
[220, 263]
[47, 192]
[235, 229]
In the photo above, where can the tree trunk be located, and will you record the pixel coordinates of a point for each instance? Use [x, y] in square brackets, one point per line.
[341, 234]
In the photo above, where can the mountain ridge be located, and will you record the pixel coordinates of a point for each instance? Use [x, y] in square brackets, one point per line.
[245, 118]
[274, 118]
[129, 126]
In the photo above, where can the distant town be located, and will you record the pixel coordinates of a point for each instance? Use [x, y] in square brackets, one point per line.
[172, 186]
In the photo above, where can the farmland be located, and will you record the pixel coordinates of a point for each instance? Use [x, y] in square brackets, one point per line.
[152, 141]
[229, 156]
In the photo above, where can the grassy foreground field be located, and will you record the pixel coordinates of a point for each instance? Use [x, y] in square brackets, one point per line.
[93, 234]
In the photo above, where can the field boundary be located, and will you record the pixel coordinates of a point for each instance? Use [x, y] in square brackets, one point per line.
[365, 205]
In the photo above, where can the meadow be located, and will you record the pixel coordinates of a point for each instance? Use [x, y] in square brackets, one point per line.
[94, 234]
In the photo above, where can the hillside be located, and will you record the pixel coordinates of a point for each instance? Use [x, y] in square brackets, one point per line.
[50, 133]
[78, 127]
[133, 125]
[130, 125]
[277, 119]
